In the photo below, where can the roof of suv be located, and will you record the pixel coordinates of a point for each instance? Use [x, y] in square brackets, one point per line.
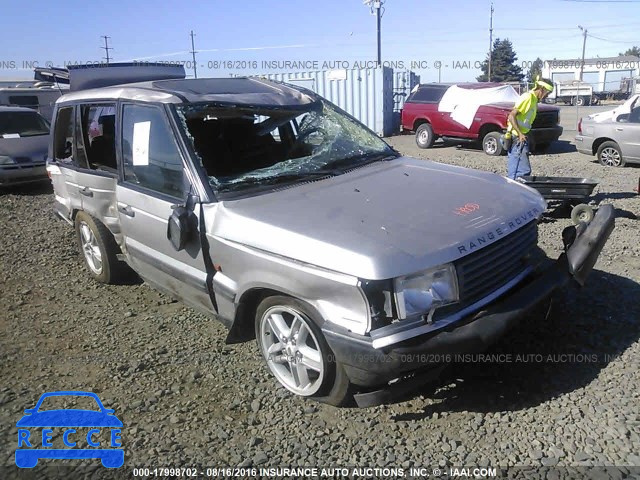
[239, 91]
[468, 85]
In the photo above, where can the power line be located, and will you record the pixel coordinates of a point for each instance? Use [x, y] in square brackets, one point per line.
[612, 41]
[602, 1]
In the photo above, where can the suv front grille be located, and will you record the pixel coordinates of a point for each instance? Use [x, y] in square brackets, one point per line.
[488, 269]
[545, 120]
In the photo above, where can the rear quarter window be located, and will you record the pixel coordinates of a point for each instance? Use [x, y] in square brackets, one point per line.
[427, 95]
[30, 101]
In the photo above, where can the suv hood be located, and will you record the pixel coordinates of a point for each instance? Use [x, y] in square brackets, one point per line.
[26, 149]
[384, 220]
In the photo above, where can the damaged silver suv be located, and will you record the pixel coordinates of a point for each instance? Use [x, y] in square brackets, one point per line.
[267, 206]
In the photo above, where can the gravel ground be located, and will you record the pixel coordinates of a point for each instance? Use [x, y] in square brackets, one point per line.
[570, 399]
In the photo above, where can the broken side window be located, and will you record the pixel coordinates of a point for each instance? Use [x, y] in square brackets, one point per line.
[98, 135]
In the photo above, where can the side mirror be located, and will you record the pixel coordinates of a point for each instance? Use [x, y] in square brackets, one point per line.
[624, 118]
[181, 227]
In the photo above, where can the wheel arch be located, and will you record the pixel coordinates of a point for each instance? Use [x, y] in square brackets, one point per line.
[487, 128]
[75, 213]
[242, 329]
[596, 144]
[419, 121]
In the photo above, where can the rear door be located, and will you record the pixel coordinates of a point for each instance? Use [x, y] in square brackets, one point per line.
[155, 179]
[98, 178]
[628, 134]
[68, 158]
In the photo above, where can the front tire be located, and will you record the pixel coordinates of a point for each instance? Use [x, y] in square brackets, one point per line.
[297, 354]
[425, 136]
[491, 144]
[99, 249]
[609, 155]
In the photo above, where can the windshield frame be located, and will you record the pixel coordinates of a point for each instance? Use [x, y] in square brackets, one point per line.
[178, 111]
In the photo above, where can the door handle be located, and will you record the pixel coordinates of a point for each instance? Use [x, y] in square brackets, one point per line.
[126, 210]
[86, 192]
[619, 129]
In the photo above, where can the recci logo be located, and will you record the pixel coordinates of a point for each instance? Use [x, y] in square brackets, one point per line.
[33, 445]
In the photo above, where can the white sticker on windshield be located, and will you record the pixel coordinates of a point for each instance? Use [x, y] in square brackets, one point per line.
[11, 135]
[141, 143]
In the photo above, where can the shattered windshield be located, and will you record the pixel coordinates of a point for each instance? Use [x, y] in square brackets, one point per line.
[242, 148]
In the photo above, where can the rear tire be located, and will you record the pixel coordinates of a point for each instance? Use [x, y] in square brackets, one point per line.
[99, 249]
[492, 145]
[580, 101]
[609, 155]
[292, 344]
[425, 136]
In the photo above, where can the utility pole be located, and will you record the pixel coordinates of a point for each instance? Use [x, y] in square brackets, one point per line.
[377, 6]
[584, 44]
[490, 42]
[106, 47]
[193, 55]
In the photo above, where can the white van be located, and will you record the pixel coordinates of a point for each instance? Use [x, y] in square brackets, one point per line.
[41, 97]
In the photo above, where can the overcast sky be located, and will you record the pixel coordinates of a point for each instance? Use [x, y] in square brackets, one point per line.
[240, 31]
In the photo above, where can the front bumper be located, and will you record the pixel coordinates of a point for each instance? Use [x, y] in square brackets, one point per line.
[368, 366]
[18, 174]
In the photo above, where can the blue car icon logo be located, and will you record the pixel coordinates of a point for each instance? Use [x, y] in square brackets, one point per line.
[33, 445]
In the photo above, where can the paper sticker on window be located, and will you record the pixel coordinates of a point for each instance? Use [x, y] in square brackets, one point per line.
[141, 143]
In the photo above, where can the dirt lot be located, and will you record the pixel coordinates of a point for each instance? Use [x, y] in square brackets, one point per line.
[571, 399]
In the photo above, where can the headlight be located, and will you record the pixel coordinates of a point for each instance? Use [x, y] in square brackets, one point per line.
[423, 291]
[4, 160]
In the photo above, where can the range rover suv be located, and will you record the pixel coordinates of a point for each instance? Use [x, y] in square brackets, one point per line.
[268, 207]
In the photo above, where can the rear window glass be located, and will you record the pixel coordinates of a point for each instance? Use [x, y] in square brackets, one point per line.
[23, 124]
[428, 95]
[24, 100]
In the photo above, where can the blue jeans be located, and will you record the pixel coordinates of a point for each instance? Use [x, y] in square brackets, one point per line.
[518, 160]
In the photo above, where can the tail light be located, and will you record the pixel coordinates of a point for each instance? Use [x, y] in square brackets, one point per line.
[580, 126]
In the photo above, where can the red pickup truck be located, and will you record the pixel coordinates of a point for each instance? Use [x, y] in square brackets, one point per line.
[421, 114]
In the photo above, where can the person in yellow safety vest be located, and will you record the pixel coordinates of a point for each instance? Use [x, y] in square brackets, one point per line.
[518, 125]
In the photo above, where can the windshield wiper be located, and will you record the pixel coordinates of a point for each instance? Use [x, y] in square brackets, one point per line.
[285, 177]
[361, 159]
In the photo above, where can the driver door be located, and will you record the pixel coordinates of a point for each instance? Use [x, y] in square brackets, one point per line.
[154, 180]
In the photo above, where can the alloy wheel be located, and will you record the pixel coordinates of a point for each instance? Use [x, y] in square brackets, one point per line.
[611, 157]
[292, 350]
[91, 249]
